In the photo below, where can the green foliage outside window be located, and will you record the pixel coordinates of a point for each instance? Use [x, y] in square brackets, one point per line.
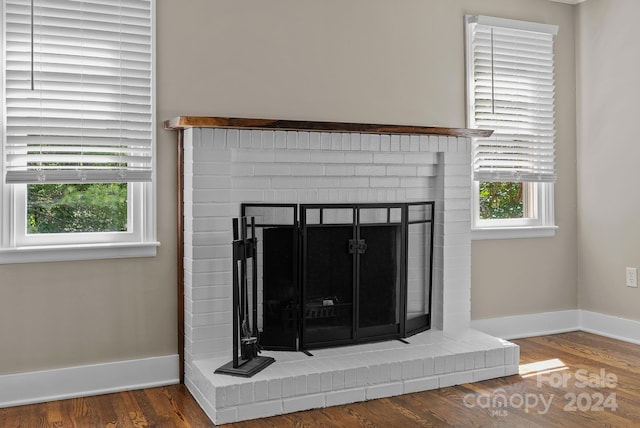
[501, 200]
[72, 208]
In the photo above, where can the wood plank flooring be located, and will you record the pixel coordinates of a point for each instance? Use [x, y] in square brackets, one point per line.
[587, 381]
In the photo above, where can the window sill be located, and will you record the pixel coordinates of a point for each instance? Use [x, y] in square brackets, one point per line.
[513, 232]
[61, 253]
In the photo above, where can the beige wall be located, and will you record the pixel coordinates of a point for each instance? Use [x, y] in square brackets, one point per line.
[355, 60]
[608, 155]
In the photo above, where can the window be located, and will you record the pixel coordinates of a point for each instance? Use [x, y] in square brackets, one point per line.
[510, 89]
[78, 130]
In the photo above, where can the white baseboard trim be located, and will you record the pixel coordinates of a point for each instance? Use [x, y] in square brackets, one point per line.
[519, 326]
[516, 327]
[70, 382]
[610, 326]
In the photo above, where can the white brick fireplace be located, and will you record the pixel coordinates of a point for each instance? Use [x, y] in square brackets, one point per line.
[224, 167]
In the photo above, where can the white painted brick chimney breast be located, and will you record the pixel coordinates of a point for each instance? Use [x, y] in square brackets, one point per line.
[226, 167]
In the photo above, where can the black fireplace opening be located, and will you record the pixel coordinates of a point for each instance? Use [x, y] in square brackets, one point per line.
[339, 274]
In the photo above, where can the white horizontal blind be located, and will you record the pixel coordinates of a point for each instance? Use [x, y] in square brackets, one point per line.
[512, 90]
[86, 116]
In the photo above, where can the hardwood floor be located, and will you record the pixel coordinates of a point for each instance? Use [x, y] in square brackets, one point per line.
[586, 380]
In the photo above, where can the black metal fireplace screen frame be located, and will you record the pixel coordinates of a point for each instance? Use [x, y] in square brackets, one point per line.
[289, 225]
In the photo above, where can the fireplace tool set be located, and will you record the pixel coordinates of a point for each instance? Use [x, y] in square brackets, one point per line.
[245, 331]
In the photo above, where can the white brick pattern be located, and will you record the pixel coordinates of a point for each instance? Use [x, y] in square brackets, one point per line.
[225, 167]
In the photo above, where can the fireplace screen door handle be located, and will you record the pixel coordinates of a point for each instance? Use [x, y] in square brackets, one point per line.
[357, 246]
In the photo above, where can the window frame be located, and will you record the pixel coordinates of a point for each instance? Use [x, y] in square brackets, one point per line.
[541, 222]
[16, 246]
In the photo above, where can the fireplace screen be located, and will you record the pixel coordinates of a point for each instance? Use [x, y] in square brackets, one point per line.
[337, 274]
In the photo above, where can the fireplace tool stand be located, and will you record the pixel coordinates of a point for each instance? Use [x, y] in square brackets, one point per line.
[245, 332]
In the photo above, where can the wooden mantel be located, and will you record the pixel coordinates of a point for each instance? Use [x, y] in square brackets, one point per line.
[182, 122]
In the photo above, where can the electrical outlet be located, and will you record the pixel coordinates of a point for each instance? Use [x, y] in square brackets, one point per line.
[632, 277]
